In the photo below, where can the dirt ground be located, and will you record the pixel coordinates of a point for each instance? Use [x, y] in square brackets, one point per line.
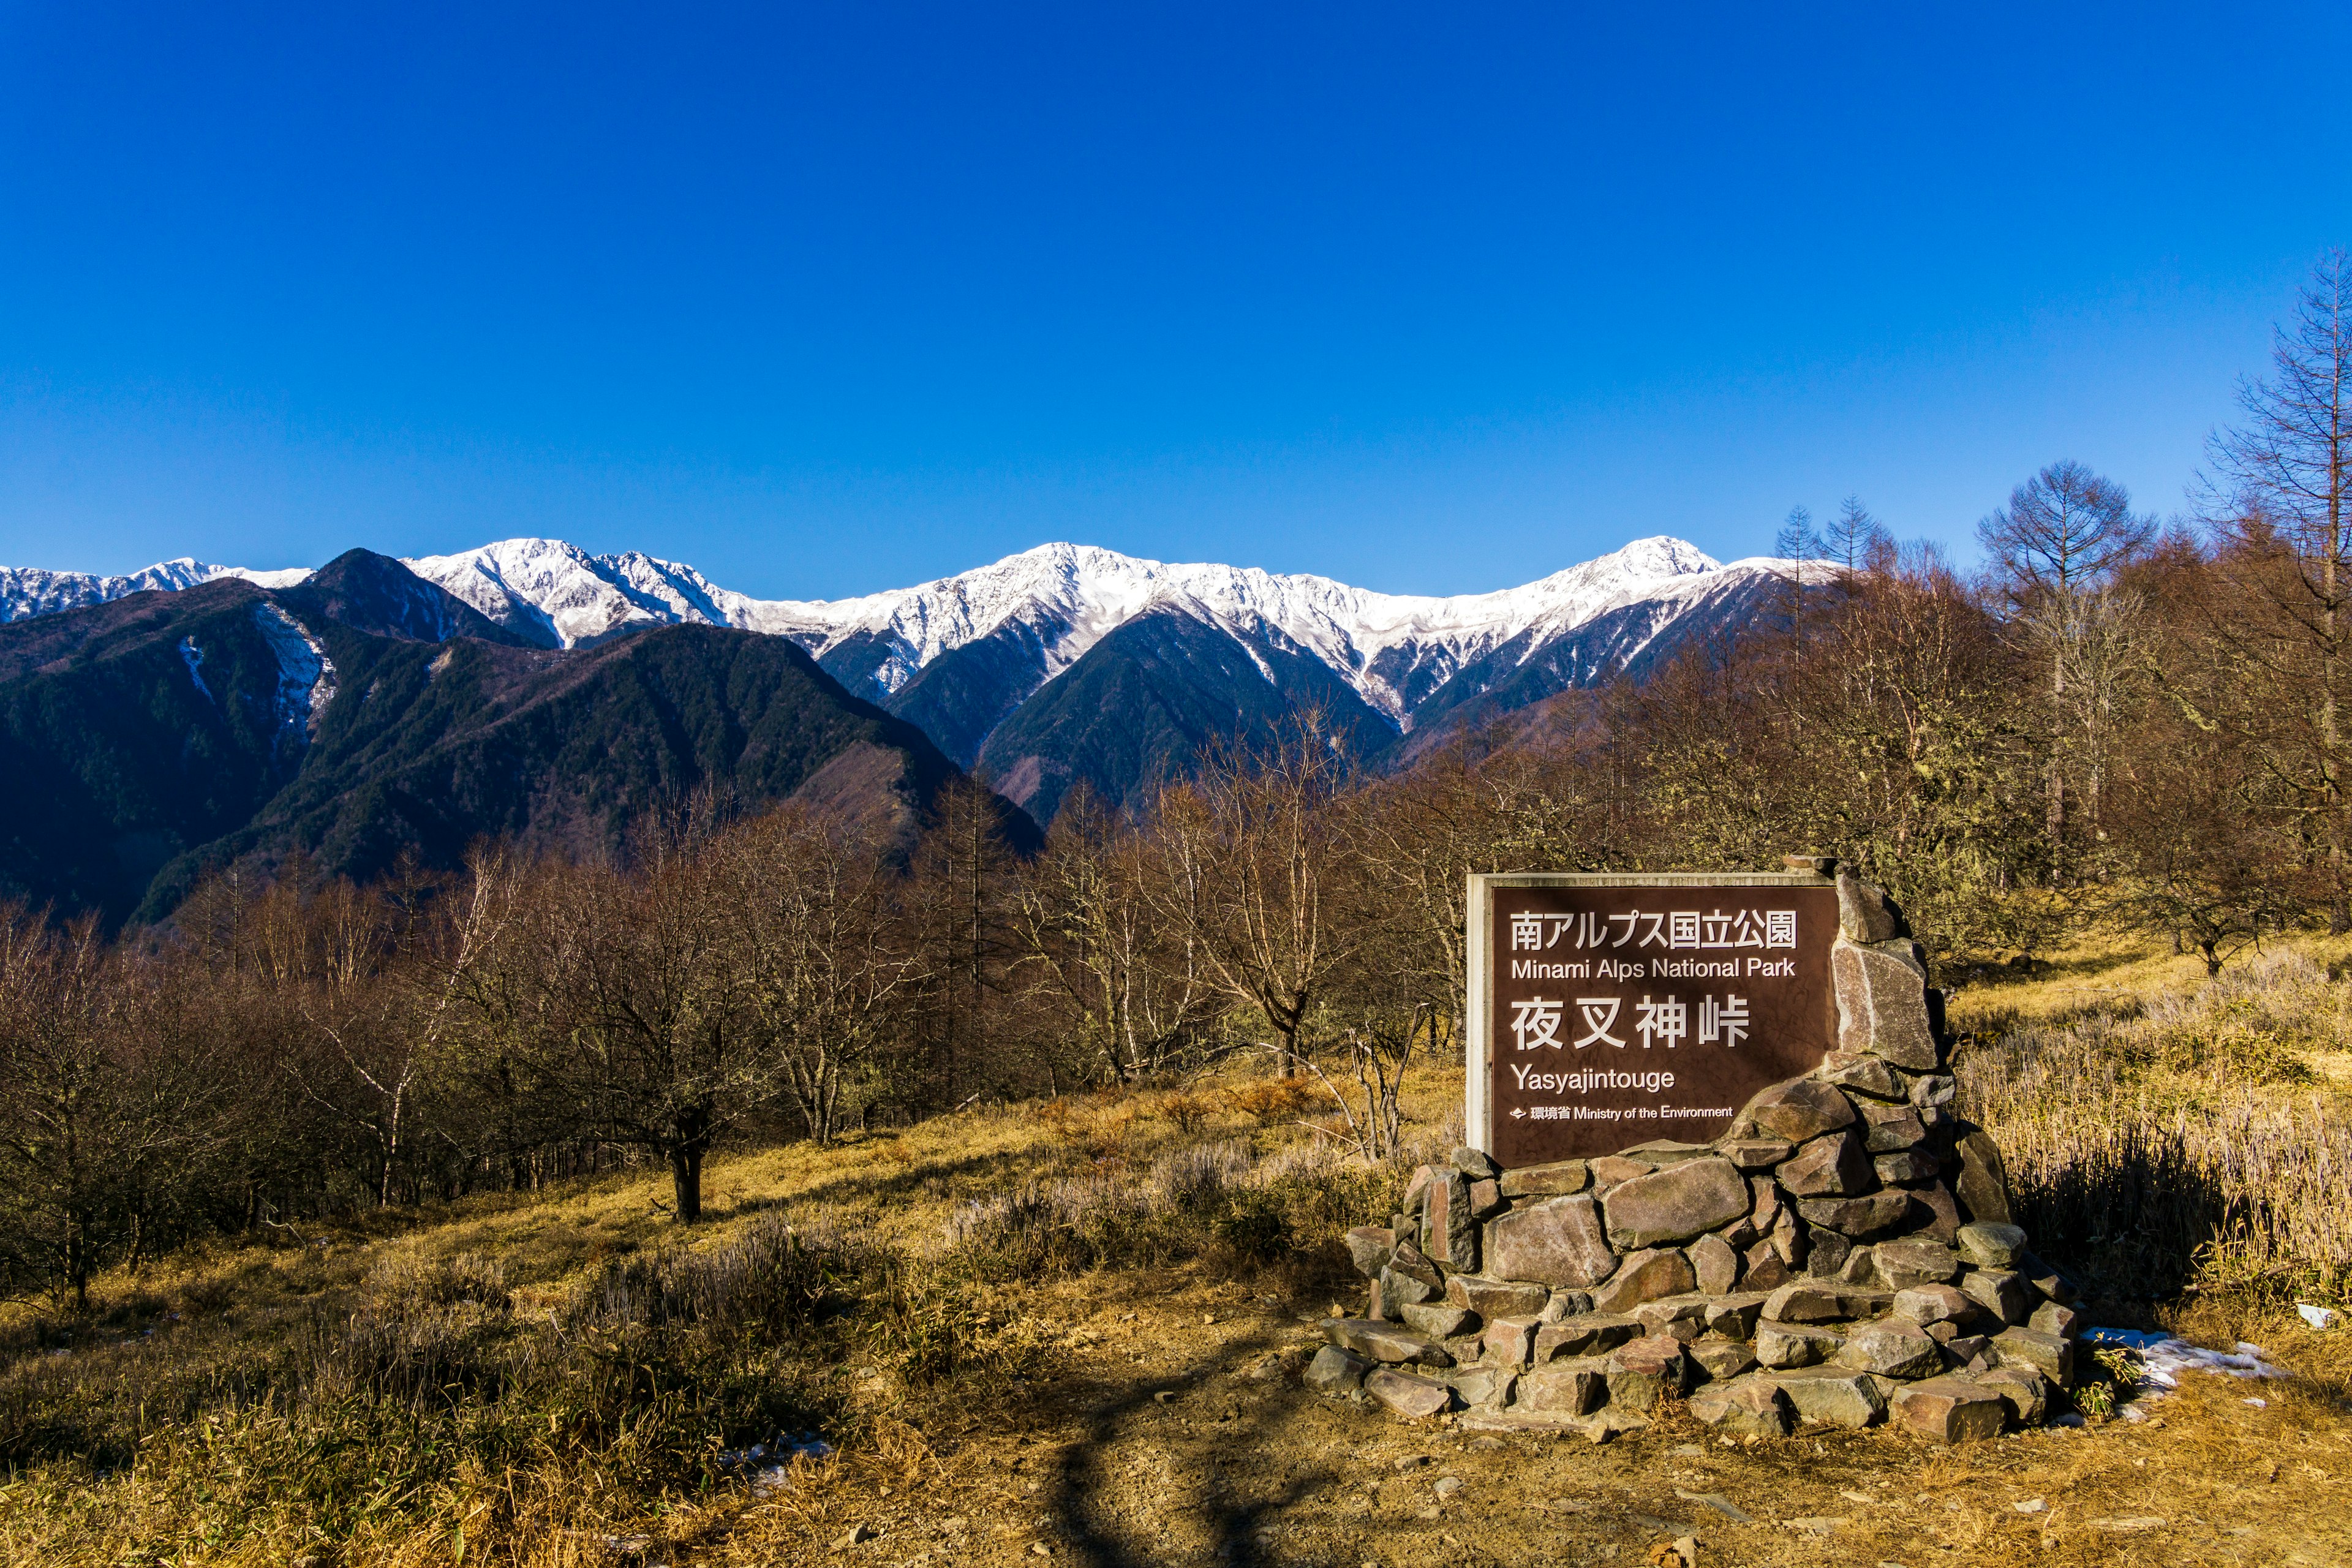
[1178, 1433]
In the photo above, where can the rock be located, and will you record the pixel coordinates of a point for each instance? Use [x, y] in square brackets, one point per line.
[1369, 1247]
[1861, 1074]
[1913, 1261]
[1576, 1390]
[1439, 1319]
[1741, 1235]
[1790, 1241]
[1864, 914]
[1474, 1164]
[2048, 1354]
[1882, 1002]
[1714, 1264]
[1826, 1253]
[1749, 1407]
[1991, 1245]
[1982, 1186]
[1482, 1387]
[1661, 1152]
[1934, 1212]
[1757, 1153]
[1861, 1216]
[1848, 1399]
[1407, 1396]
[1609, 1170]
[2050, 1318]
[1803, 1304]
[1508, 1341]
[1765, 1211]
[1644, 1371]
[1384, 1341]
[1558, 1241]
[1417, 1189]
[1565, 1304]
[1934, 1089]
[1407, 1262]
[1945, 1410]
[2000, 1292]
[1336, 1371]
[1860, 1267]
[1722, 1359]
[1465, 1348]
[1486, 1199]
[1925, 1304]
[2022, 1389]
[1892, 1349]
[1862, 1303]
[1595, 1333]
[1564, 1177]
[1832, 1165]
[1678, 1317]
[1734, 1317]
[2052, 1283]
[1674, 1204]
[1793, 1344]
[1801, 1109]
[1965, 1348]
[1645, 1277]
[1892, 1128]
[856, 1535]
[1906, 1168]
[1765, 1270]
[1449, 1229]
[1495, 1297]
[1398, 1290]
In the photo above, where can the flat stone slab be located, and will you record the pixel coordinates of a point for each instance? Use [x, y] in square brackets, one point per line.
[1588, 1333]
[1407, 1396]
[1834, 1398]
[1645, 1277]
[1688, 1198]
[1389, 1344]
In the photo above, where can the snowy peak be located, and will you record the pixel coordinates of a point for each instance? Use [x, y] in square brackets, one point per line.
[32, 591]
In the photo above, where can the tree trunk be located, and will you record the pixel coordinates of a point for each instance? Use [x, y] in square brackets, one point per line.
[693, 1131]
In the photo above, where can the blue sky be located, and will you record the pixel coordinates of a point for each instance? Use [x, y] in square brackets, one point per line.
[829, 300]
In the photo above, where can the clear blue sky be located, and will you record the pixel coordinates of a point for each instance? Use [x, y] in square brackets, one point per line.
[828, 300]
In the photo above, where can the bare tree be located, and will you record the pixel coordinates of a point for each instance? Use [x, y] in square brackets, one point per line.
[2277, 495]
[1854, 538]
[2056, 547]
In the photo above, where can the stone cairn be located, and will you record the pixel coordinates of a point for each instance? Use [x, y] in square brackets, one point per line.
[1844, 1254]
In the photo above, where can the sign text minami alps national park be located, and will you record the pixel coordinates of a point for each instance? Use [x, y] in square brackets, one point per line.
[1609, 1010]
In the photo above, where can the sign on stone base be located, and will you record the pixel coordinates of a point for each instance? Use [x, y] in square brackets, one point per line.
[1609, 1010]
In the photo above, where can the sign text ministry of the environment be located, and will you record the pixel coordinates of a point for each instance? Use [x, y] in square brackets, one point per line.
[1607, 1011]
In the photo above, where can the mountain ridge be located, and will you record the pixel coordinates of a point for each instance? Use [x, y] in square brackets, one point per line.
[1032, 616]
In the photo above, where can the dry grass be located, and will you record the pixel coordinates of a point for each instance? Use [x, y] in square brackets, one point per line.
[1071, 1327]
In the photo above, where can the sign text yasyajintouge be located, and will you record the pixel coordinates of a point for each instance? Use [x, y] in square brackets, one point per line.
[1609, 1010]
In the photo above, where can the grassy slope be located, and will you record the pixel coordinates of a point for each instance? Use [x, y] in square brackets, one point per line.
[1142, 1414]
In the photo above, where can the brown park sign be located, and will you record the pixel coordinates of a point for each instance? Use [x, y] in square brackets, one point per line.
[1607, 1010]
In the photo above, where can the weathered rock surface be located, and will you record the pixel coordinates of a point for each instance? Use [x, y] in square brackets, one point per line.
[1555, 1241]
[1572, 1390]
[1450, 1230]
[1757, 1153]
[1682, 1201]
[1863, 913]
[2002, 1293]
[1407, 1396]
[1384, 1342]
[1510, 1342]
[1491, 1298]
[1593, 1334]
[1929, 1304]
[1560, 1179]
[1714, 1264]
[2048, 1354]
[1645, 1371]
[1369, 1247]
[1645, 1277]
[1991, 1244]
[1883, 1003]
[1744, 1407]
[1832, 1165]
[1892, 1349]
[1834, 1399]
[1336, 1371]
[1439, 1319]
[1804, 1303]
[1794, 1345]
[1722, 1359]
[1868, 1215]
[1801, 1109]
[1862, 1075]
[1945, 1410]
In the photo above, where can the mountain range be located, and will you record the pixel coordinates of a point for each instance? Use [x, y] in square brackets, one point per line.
[1069, 664]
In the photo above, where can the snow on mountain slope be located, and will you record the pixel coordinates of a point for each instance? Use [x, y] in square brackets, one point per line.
[1060, 600]
[30, 591]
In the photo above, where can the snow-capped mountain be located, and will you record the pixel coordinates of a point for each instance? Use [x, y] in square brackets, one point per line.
[30, 591]
[991, 662]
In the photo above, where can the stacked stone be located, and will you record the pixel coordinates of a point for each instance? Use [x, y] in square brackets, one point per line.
[1844, 1254]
